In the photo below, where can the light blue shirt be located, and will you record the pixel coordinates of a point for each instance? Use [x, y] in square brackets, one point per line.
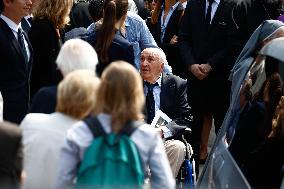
[138, 34]
[164, 24]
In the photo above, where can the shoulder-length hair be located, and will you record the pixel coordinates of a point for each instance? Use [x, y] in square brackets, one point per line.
[120, 94]
[76, 93]
[113, 11]
[57, 11]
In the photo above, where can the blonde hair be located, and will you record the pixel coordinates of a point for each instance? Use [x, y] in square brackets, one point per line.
[57, 11]
[76, 54]
[77, 93]
[278, 120]
[120, 94]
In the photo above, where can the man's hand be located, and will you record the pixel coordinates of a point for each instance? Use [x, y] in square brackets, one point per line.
[196, 70]
[205, 68]
[174, 40]
[160, 131]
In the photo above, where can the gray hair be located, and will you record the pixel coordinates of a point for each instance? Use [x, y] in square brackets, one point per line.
[76, 54]
[158, 53]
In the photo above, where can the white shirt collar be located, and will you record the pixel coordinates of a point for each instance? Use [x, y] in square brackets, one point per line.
[159, 81]
[28, 16]
[10, 23]
[216, 1]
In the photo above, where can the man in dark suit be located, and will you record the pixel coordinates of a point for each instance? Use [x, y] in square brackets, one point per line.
[247, 16]
[203, 42]
[167, 93]
[10, 155]
[15, 53]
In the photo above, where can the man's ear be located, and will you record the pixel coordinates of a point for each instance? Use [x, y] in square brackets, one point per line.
[6, 2]
[162, 66]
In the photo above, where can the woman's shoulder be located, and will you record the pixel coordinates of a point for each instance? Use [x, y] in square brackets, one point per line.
[120, 40]
[146, 132]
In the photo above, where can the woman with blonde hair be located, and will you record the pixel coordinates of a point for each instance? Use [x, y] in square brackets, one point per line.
[49, 18]
[43, 134]
[121, 99]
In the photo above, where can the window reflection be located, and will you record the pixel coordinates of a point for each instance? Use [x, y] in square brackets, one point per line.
[259, 96]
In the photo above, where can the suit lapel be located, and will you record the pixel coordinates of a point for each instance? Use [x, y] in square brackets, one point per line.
[25, 25]
[29, 64]
[167, 88]
[202, 12]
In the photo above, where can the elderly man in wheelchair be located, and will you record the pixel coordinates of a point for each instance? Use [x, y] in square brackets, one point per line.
[167, 108]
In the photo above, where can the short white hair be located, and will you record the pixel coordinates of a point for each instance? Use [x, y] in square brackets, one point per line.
[157, 53]
[76, 54]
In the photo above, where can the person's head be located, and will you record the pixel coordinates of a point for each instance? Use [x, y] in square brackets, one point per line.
[279, 32]
[15, 9]
[10, 155]
[57, 11]
[76, 54]
[96, 9]
[152, 64]
[76, 93]
[120, 94]
[114, 15]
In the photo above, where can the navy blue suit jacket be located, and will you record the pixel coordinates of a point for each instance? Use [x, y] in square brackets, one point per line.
[44, 101]
[120, 49]
[14, 75]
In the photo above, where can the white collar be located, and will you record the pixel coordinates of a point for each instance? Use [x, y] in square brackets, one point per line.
[215, 1]
[10, 23]
[28, 16]
[159, 81]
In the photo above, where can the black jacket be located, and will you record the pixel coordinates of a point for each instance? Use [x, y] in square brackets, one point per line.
[46, 44]
[14, 75]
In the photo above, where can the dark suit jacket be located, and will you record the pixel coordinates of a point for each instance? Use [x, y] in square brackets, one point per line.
[10, 155]
[46, 44]
[173, 100]
[14, 75]
[120, 49]
[199, 45]
[172, 29]
[247, 16]
[44, 101]
[173, 97]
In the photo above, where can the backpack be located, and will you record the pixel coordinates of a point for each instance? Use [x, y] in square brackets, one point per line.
[112, 160]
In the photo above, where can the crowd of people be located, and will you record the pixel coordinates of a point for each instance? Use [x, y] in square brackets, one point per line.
[75, 74]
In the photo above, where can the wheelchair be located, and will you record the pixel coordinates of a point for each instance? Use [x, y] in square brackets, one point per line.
[187, 177]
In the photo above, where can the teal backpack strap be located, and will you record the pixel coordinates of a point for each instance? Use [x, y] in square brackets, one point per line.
[95, 126]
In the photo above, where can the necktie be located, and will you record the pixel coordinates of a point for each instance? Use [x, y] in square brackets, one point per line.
[30, 19]
[150, 102]
[208, 13]
[22, 44]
